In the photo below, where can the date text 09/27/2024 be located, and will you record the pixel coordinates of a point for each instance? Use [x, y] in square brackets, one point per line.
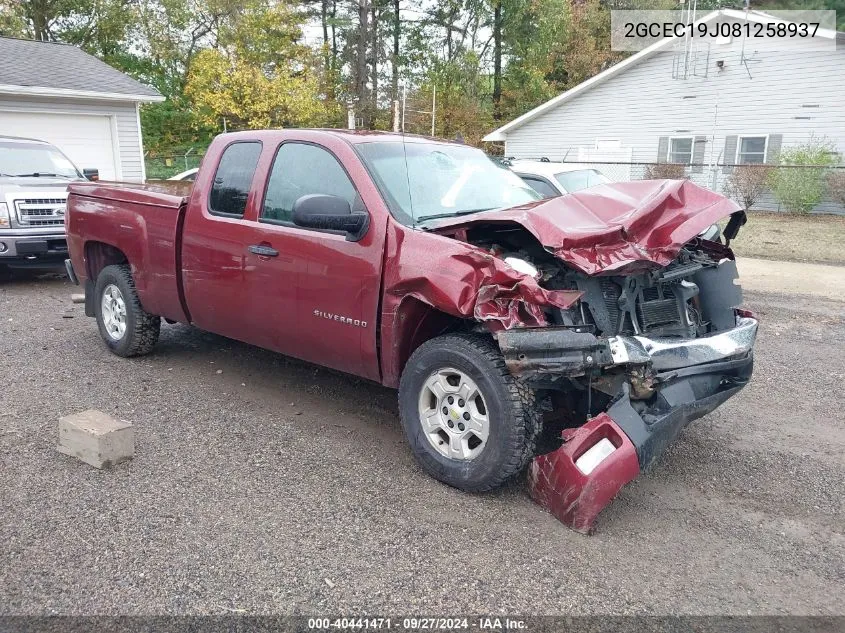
[481, 623]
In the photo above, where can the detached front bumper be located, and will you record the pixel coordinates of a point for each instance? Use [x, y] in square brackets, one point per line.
[688, 379]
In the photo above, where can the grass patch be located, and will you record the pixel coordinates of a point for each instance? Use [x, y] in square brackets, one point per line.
[809, 238]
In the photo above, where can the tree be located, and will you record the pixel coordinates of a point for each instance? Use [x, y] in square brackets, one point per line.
[747, 183]
[798, 180]
[836, 186]
[259, 74]
[664, 171]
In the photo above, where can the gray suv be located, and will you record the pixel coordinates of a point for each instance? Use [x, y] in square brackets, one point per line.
[34, 176]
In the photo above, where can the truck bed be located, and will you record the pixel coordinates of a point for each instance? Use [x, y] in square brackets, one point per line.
[142, 221]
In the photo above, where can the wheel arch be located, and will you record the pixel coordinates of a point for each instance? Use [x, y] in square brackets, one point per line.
[414, 323]
[98, 255]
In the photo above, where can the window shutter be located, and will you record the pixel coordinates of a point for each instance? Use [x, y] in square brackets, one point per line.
[729, 155]
[662, 149]
[698, 146]
[773, 148]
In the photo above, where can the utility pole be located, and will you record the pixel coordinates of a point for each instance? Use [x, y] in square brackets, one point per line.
[433, 105]
[404, 103]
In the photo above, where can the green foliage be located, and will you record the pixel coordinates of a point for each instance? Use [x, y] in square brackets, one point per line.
[798, 182]
[246, 61]
[259, 76]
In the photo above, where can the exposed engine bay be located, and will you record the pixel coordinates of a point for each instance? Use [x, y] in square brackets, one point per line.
[631, 339]
[617, 307]
[693, 296]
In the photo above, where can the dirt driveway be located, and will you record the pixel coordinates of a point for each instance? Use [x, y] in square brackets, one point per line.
[276, 486]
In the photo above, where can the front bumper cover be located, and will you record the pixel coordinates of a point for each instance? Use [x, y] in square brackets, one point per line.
[22, 248]
[693, 378]
[560, 351]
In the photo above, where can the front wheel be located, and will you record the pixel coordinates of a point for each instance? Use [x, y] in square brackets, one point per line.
[470, 423]
[126, 328]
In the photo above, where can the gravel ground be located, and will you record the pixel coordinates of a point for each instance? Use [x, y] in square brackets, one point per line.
[279, 487]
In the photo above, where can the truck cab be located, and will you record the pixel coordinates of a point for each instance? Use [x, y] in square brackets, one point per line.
[34, 176]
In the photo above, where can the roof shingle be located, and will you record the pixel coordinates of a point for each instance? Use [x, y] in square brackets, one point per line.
[63, 67]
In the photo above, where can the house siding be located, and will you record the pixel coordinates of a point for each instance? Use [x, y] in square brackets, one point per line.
[129, 149]
[644, 103]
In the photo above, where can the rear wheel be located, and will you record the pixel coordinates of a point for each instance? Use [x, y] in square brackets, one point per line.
[470, 423]
[125, 327]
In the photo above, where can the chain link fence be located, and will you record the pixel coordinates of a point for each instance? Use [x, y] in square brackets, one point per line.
[162, 167]
[713, 177]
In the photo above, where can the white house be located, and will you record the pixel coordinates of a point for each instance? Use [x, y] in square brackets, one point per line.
[710, 106]
[89, 110]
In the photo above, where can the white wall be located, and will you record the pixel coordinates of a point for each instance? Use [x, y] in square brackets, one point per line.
[644, 102]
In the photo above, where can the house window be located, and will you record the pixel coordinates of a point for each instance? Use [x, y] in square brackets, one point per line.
[751, 149]
[680, 150]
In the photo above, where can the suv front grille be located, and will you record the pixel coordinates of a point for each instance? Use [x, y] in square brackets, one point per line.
[41, 211]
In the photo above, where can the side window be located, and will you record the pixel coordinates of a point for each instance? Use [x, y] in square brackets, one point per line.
[233, 179]
[299, 170]
[540, 186]
[680, 150]
[752, 150]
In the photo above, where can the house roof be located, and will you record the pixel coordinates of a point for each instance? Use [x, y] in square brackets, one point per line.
[752, 16]
[61, 70]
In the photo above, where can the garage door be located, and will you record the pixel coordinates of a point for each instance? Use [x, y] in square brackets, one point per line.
[86, 139]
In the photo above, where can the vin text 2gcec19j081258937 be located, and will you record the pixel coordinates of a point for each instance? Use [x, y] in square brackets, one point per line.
[577, 334]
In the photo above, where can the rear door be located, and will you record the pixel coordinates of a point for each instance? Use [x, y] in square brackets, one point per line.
[215, 241]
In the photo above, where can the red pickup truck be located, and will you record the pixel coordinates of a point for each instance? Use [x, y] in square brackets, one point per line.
[587, 329]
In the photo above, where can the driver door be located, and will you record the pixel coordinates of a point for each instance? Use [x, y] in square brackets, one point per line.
[320, 288]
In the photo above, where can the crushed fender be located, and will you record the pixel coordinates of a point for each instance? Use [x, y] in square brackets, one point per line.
[464, 280]
[573, 497]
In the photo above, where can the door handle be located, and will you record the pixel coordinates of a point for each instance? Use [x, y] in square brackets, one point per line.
[263, 251]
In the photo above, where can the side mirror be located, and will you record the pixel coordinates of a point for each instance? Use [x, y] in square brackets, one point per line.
[330, 213]
[91, 173]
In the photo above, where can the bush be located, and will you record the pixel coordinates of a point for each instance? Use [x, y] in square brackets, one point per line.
[798, 182]
[747, 183]
[664, 171]
[836, 186]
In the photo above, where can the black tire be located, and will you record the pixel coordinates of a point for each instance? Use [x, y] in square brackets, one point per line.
[142, 329]
[512, 409]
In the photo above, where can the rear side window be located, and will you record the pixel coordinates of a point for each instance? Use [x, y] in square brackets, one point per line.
[298, 170]
[233, 179]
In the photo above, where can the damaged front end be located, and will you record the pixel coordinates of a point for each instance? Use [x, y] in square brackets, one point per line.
[629, 365]
[651, 335]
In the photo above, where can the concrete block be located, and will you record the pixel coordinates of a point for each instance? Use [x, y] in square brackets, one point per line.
[96, 438]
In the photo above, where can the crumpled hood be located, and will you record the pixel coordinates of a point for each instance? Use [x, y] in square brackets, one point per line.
[619, 227]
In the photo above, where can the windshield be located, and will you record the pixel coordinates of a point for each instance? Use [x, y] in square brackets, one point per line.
[574, 181]
[424, 181]
[31, 159]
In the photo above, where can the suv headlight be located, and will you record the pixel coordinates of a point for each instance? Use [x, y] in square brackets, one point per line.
[5, 221]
